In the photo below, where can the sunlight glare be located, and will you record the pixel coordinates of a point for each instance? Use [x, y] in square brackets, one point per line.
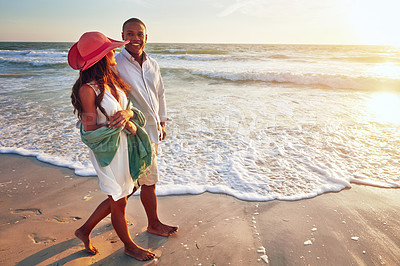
[388, 70]
[385, 107]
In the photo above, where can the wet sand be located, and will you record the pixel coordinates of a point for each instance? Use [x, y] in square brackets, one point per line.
[42, 205]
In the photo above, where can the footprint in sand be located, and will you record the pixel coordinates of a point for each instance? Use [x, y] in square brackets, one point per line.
[112, 239]
[66, 219]
[40, 239]
[27, 211]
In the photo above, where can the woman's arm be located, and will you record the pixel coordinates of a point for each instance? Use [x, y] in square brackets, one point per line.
[89, 113]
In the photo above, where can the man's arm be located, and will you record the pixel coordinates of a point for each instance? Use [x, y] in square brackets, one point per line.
[162, 107]
[120, 118]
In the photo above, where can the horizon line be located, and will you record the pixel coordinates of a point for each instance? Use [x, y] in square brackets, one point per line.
[227, 43]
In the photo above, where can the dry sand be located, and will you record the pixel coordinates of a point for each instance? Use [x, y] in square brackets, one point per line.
[42, 205]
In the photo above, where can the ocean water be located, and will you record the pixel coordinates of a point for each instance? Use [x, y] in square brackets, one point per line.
[258, 122]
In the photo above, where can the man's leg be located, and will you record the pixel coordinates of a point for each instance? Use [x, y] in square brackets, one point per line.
[149, 200]
[119, 223]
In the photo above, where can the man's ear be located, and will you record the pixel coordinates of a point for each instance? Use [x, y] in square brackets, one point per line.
[122, 35]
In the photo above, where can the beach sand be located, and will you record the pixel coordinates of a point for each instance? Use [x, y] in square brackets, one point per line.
[42, 205]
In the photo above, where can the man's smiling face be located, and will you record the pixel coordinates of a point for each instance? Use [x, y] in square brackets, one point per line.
[136, 34]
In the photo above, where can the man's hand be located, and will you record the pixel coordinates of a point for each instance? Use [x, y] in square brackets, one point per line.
[120, 118]
[164, 132]
[131, 127]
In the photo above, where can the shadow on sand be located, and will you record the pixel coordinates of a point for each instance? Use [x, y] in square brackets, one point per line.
[61, 247]
[117, 258]
[145, 240]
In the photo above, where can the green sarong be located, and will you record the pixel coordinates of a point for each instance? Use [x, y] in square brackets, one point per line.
[104, 143]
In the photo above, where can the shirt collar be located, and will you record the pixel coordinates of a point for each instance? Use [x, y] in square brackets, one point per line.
[130, 57]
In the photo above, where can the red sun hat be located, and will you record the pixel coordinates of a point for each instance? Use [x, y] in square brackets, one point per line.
[91, 47]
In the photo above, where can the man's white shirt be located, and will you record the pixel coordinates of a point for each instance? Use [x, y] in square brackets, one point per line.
[147, 92]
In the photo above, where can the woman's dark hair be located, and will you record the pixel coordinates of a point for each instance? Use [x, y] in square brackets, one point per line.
[102, 74]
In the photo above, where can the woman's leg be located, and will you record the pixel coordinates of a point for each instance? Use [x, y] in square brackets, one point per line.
[119, 223]
[83, 233]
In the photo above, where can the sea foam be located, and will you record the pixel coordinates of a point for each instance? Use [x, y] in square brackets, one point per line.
[258, 122]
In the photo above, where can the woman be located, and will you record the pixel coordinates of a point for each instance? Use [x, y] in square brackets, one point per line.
[109, 128]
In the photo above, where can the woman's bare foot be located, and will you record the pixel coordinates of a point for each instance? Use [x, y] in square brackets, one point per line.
[139, 253]
[85, 238]
[163, 229]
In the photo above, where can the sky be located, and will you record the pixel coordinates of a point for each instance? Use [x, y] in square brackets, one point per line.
[207, 21]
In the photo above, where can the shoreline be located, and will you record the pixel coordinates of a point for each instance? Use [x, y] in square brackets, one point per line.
[43, 204]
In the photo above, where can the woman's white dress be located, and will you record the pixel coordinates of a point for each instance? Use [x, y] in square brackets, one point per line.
[115, 179]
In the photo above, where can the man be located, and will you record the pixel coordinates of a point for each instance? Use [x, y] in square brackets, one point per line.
[147, 94]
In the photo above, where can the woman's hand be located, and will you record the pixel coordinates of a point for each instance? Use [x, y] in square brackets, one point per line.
[120, 118]
[131, 127]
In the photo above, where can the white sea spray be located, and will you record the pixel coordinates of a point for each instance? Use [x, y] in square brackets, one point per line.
[255, 122]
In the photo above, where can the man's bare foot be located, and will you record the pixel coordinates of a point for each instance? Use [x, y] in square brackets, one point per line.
[139, 253]
[163, 229]
[85, 238]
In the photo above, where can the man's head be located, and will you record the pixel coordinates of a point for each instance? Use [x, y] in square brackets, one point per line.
[134, 30]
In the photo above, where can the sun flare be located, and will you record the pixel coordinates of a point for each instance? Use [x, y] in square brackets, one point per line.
[385, 107]
[388, 70]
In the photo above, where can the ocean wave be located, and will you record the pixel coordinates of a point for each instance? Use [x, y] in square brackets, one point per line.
[276, 57]
[227, 57]
[51, 54]
[35, 58]
[192, 58]
[190, 51]
[80, 169]
[36, 53]
[368, 59]
[14, 75]
[21, 61]
[252, 124]
[327, 80]
[279, 56]
[253, 157]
